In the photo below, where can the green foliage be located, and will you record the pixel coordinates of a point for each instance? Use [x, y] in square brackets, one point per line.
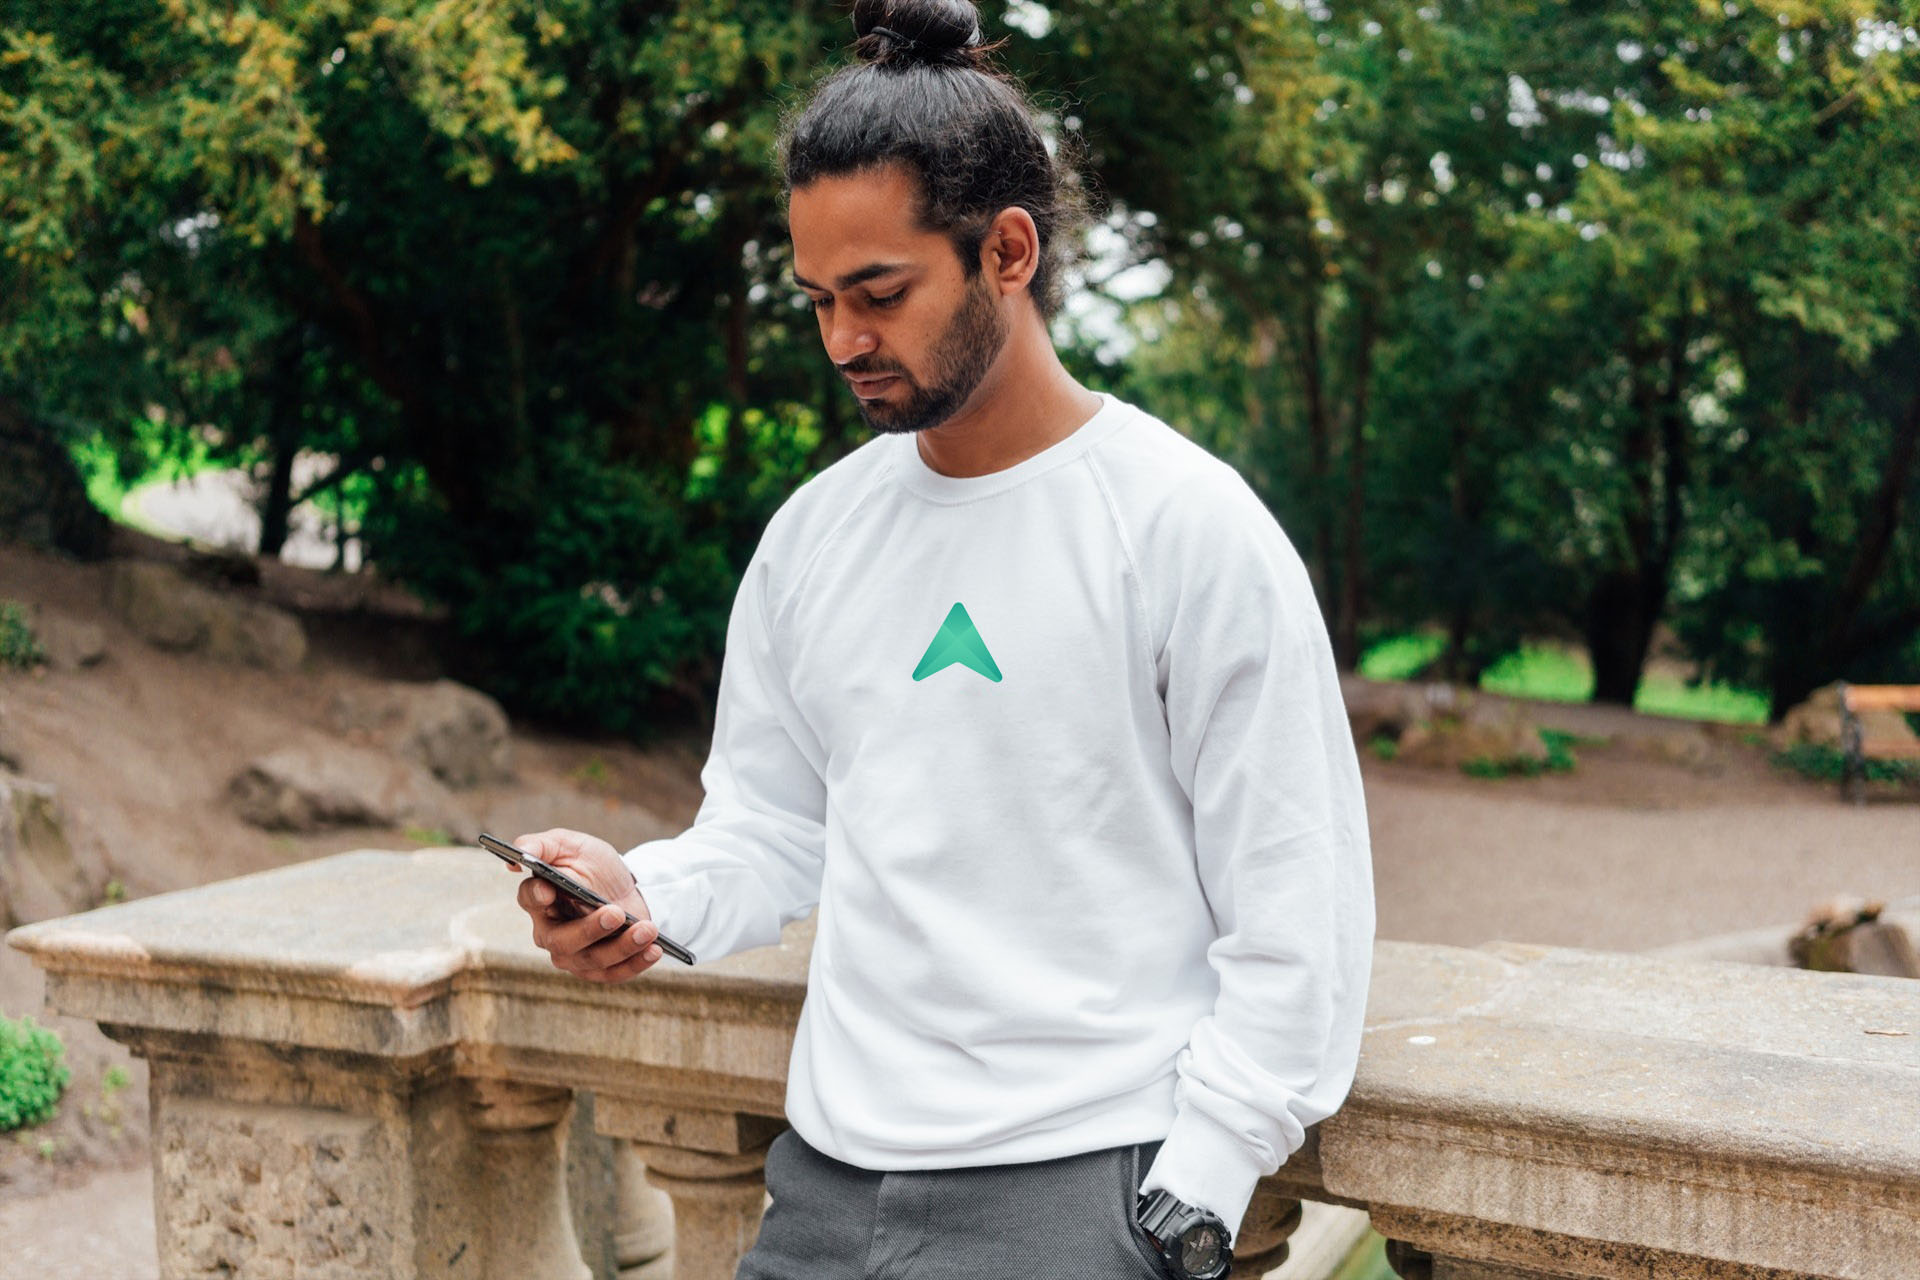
[1402, 657]
[32, 1074]
[1823, 763]
[1384, 748]
[1534, 671]
[1559, 674]
[19, 647]
[113, 1080]
[1527, 320]
[1560, 759]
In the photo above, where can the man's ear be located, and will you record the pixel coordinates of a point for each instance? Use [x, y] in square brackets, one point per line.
[1010, 254]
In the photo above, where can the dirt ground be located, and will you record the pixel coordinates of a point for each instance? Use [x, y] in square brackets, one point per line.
[1629, 851]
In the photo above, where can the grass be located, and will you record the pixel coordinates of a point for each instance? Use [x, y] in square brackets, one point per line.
[1368, 1261]
[19, 647]
[1826, 764]
[1402, 657]
[1555, 674]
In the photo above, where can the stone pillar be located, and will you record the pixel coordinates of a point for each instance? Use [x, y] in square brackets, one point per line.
[520, 1141]
[277, 1164]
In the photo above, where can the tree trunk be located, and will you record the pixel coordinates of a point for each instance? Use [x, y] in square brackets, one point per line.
[1320, 439]
[277, 510]
[1627, 601]
[1346, 637]
[1619, 632]
[1876, 534]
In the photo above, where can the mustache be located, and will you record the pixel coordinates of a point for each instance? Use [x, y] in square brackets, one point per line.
[868, 367]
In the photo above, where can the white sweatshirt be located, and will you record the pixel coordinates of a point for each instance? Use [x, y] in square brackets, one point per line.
[1060, 754]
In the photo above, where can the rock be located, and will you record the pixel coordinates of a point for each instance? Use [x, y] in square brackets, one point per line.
[253, 635]
[307, 788]
[1885, 726]
[1818, 721]
[69, 643]
[1847, 935]
[1687, 746]
[459, 733]
[157, 604]
[1474, 730]
[622, 825]
[1379, 709]
[42, 872]
[169, 611]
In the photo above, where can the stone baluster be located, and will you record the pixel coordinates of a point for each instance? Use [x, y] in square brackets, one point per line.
[643, 1243]
[1262, 1241]
[712, 1166]
[520, 1137]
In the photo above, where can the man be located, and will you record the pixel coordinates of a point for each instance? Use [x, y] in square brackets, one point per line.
[1031, 697]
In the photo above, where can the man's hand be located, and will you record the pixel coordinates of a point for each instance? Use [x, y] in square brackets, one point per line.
[593, 947]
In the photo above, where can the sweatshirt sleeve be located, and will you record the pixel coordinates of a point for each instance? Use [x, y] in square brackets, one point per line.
[752, 860]
[1262, 749]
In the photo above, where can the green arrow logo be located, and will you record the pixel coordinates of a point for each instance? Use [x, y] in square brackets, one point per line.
[959, 641]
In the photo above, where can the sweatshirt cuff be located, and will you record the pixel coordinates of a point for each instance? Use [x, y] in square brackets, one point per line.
[1207, 1165]
[677, 903]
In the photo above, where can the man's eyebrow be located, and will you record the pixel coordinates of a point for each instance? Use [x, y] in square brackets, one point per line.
[852, 278]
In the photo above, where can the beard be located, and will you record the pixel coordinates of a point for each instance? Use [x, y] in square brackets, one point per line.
[972, 341]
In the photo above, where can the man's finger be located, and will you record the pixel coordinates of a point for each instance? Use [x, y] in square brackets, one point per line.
[621, 947]
[640, 962]
[569, 936]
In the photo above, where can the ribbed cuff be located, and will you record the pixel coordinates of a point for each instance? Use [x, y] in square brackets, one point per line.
[1208, 1166]
[677, 904]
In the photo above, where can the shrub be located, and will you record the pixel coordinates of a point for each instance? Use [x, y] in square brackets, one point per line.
[1823, 763]
[1559, 760]
[19, 647]
[31, 1073]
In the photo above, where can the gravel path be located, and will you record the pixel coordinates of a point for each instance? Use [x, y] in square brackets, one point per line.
[101, 1230]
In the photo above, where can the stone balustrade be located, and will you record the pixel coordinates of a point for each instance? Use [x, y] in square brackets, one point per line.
[362, 1068]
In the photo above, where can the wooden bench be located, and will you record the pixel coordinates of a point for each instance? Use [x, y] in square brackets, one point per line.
[1855, 699]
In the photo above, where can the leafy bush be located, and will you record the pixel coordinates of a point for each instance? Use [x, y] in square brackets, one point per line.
[1823, 763]
[19, 647]
[1559, 760]
[31, 1073]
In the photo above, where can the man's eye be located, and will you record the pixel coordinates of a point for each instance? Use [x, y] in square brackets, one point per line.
[819, 304]
[891, 300]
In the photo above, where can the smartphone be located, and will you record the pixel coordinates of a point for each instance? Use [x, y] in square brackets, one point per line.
[587, 900]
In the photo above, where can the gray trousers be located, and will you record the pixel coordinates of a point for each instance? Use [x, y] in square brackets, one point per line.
[1064, 1219]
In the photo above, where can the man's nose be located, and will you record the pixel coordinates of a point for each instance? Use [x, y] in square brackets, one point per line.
[849, 339]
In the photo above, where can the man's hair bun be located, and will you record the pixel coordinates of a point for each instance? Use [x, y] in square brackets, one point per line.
[902, 32]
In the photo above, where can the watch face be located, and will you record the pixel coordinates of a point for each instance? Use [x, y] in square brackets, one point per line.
[1200, 1250]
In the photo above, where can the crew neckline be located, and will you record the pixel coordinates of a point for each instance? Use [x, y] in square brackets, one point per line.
[924, 480]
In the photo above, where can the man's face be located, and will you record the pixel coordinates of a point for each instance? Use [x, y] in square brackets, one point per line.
[901, 322]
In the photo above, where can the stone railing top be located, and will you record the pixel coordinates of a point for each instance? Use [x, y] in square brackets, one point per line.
[374, 926]
[372, 952]
[1733, 1061]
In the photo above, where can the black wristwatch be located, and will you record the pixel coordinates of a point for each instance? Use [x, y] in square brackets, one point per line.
[1193, 1243]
